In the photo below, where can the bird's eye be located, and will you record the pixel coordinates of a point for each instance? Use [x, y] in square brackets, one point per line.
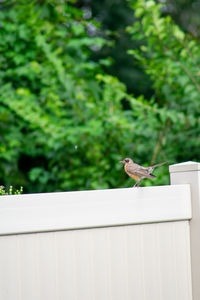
[126, 160]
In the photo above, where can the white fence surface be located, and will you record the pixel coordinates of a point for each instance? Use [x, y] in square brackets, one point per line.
[121, 244]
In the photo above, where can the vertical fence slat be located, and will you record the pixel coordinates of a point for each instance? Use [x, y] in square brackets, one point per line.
[189, 173]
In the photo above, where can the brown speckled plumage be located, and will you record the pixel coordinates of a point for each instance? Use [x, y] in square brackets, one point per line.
[138, 172]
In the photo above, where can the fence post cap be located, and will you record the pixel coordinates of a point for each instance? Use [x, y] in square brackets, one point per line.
[184, 167]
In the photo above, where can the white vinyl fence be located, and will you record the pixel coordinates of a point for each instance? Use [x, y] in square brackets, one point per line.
[120, 244]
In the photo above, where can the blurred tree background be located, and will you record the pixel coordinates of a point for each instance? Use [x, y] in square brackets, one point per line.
[68, 75]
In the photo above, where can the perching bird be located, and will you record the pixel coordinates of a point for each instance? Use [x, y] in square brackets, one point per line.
[138, 172]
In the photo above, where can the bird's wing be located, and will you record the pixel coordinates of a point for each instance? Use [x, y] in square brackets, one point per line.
[138, 170]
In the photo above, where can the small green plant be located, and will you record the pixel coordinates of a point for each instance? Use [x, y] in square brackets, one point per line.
[10, 191]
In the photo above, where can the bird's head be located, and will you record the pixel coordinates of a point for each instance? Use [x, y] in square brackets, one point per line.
[126, 161]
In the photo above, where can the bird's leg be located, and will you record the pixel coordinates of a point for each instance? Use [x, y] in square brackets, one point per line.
[135, 185]
[138, 182]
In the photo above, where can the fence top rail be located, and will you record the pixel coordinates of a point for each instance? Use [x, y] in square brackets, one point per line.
[91, 209]
[185, 167]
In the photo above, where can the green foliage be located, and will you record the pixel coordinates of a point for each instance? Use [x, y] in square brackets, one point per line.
[171, 59]
[10, 191]
[185, 13]
[63, 126]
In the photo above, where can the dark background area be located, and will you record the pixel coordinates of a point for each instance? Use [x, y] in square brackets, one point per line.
[115, 16]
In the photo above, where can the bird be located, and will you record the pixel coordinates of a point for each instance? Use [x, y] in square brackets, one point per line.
[138, 172]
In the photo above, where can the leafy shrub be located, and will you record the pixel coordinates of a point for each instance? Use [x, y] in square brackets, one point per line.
[63, 122]
[10, 191]
[171, 59]
[62, 118]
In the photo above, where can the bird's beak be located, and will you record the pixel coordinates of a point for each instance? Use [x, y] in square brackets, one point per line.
[122, 161]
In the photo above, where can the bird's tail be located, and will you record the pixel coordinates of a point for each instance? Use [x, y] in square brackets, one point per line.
[160, 164]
